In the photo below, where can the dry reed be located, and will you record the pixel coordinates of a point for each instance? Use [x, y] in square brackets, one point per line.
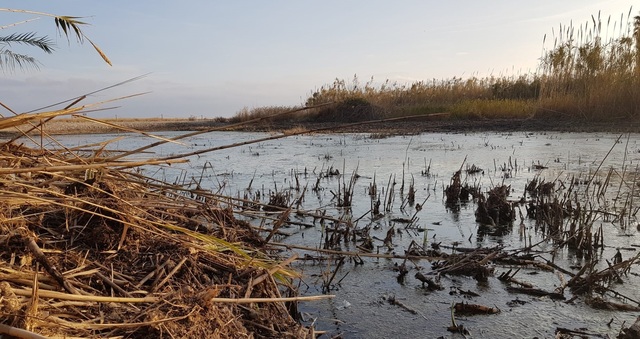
[91, 248]
[591, 72]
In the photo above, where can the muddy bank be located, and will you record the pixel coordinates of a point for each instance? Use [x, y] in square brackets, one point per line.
[415, 126]
[408, 126]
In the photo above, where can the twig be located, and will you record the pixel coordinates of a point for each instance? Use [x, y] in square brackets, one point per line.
[173, 271]
[281, 221]
[76, 297]
[152, 273]
[52, 270]
[394, 301]
[186, 155]
[271, 271]
[601, 162]
[269, 300]
[114, 285]
[118, 325]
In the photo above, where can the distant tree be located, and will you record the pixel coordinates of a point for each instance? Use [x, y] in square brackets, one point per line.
[67, 25]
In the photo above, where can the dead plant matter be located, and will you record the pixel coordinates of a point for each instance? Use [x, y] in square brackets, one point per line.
[89, 248]
[495, 209]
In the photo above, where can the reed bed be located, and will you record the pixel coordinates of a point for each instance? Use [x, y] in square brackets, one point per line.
[92, 248]
[592, 69]
[590, 72]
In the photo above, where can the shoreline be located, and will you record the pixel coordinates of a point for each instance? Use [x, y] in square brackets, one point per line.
[397, 127]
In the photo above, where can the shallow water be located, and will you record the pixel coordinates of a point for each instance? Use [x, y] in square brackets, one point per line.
[360, 309]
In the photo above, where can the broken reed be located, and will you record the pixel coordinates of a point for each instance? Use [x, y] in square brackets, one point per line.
[592, 71]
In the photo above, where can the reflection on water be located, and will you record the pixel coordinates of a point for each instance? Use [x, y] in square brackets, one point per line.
[360, 309]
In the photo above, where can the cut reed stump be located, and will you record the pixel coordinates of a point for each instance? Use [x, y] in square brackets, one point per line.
[494, 209]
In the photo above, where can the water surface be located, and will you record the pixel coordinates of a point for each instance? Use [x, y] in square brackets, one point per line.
[360, 308]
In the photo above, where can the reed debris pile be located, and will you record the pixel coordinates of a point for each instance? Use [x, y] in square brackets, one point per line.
[89, 247]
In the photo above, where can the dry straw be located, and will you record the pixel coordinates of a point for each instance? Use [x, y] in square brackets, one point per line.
[92, 248]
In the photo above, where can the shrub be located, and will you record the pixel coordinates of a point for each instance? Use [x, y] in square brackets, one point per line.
[348, 110]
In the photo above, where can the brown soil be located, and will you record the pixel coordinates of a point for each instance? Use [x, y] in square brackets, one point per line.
[415, 126]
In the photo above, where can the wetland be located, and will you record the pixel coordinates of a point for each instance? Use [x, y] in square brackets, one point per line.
[368, 218]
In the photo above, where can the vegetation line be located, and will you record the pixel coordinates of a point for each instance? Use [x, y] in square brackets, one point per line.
[592, 73]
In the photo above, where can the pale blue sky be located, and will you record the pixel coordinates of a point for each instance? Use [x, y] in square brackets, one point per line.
[212, 58]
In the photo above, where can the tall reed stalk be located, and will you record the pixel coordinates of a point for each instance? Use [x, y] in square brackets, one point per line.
[593, 70]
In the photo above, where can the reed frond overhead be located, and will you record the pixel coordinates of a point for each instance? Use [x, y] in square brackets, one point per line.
[41, 42]
[66, 25]
[9, 60]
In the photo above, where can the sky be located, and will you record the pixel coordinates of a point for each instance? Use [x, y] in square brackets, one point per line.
[209, 59]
